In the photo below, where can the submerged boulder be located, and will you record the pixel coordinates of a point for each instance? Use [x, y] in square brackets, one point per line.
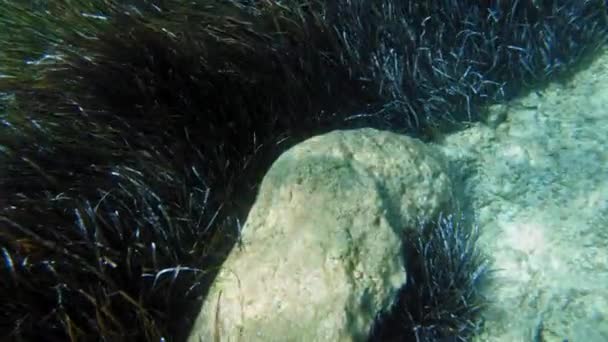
[321, 251]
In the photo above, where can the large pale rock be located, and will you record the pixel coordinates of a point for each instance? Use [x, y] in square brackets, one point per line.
[321, 248]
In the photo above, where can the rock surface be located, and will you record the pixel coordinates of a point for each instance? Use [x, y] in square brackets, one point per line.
[537, 181]
[321, 248]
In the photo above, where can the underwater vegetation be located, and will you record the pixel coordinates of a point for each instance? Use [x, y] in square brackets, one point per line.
[442, 299]
[134, 135]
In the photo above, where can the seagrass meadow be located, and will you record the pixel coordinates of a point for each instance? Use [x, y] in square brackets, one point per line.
[134, 134]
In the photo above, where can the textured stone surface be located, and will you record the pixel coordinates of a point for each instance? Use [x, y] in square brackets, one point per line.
[321, 248]
[537, 182]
